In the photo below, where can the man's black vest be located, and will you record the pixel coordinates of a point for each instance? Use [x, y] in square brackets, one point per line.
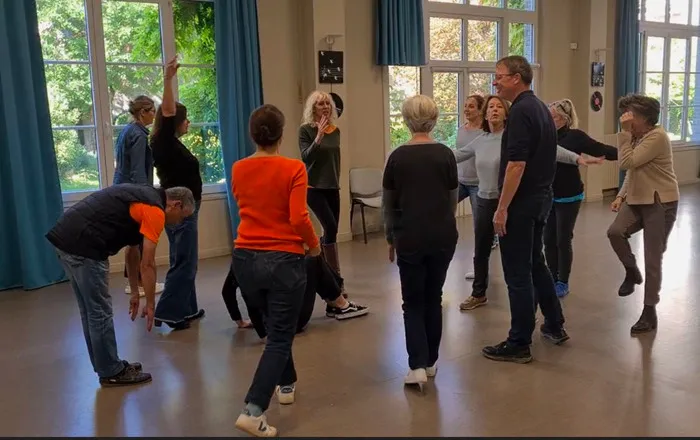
[100, 225]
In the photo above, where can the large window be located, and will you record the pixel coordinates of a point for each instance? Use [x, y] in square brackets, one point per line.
[465, 38]
[99, 54]
[670, 70]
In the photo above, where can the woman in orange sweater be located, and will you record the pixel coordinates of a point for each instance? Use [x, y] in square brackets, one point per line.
[268, 259]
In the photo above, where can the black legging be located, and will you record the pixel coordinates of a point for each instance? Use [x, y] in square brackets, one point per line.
[558, 236]
[325, 203]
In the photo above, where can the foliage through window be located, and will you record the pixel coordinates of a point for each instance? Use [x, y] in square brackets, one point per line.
[90, 84]
[464, 44]
[670, 68]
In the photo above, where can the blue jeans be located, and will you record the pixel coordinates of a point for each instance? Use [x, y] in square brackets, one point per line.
[88, 279]
[422, 276]
[525, 271]
[274, 283]
[179, 299]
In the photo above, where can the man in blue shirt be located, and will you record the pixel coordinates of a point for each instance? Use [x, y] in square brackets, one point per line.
[528, 163]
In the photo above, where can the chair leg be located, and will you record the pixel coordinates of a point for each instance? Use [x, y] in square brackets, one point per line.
[364, 228]
[352, 212]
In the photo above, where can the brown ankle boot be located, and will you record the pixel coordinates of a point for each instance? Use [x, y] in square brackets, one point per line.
[647, 322]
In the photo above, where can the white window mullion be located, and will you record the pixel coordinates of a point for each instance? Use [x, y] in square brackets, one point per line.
[686, 83]
[665, 82]
[103, 117]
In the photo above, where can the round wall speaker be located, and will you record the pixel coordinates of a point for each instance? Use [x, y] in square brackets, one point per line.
[338, 103]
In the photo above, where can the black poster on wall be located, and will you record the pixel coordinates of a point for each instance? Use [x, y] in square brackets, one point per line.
[330, 67]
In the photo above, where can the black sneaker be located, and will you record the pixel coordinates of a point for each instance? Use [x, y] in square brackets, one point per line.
[506, 352]
[135, 365]
[128, 376]
[556, 337]
[351, 311]
[330, 311]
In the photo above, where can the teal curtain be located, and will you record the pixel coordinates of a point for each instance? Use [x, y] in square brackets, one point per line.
[399, 33]
[30, 192]
[628, 51]
[239, 83]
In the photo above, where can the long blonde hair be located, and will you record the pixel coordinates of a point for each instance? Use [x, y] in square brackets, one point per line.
[307, 117]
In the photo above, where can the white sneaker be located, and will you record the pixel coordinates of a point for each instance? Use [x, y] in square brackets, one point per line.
[159, 289]
[431, 371]
[285, 394]
[469, 275]
[416, 377]
[255, 426]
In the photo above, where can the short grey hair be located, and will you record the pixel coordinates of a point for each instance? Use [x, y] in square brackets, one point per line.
[518, 65]
[182, 195]
[645, 106]
[420, 113]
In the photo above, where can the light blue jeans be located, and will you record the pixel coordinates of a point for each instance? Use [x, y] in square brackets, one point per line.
[88, 279]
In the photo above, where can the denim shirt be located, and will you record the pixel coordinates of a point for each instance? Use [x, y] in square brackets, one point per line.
[134, 156]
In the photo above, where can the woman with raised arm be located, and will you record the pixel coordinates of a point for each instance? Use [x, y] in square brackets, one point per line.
[177, 166]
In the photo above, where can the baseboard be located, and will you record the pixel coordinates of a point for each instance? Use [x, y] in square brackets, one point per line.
[689, 181]
[164, 260]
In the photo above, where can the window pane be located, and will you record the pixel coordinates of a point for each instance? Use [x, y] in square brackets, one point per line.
[480, 83]
[655, 54]
[197, 88]
[482, 40]
[76, 156]
[693, 133]
[521, 40]
[445, 39]
[523, 5]
[398, 131]
[70, 94]
[447, 1]
[491, 3]
[676, 89]
[678, 55]
[693, 85]
[674, 117]
[655, 10]
[653, 85]
[695, 16]
[679, 11]
[132, 32]
[446, 91]
[694, 55]
[204, 143]
[404, 82]
[62, 30]
[127, 82]
[446, 129]
[194, 31]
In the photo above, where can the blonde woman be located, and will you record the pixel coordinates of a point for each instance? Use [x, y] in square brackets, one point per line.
[319, 142]
[419, 200]
[568, 193]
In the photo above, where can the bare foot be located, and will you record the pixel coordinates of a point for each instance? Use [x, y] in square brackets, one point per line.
[244, 324]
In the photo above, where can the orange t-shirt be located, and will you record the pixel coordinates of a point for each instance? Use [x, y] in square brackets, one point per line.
[271, 196]
[151, 218]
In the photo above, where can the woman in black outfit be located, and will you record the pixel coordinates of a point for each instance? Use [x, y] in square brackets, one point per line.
[177, 166]
[568, 193]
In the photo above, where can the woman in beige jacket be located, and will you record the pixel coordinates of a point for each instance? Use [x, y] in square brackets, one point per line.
[648, 200]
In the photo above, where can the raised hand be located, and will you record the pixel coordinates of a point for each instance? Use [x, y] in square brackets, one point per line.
[626, 121]
[171, 68]
[321, 125]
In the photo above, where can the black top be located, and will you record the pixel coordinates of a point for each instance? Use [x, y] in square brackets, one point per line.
[175, 165]
[100, 225]
[420, 184]
[567, 180]
[530, 136]
[322, 160]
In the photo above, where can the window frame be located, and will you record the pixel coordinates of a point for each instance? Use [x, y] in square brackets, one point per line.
[669, 31]
[100, 93]
[502, 15]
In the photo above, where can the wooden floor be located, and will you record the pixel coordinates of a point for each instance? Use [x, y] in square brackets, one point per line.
[602, 383]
